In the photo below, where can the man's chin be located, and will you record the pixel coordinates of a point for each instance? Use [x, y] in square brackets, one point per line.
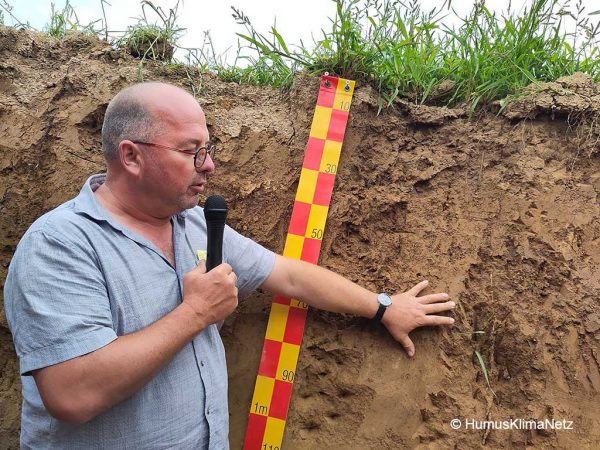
[189, 201]
[193, 202]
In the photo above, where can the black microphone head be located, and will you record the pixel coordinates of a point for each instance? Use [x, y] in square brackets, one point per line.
[215, 208]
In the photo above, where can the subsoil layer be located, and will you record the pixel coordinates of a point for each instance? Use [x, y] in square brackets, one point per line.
[500, 211]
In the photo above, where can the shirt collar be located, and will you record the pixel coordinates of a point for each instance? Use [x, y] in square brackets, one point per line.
[87, 203]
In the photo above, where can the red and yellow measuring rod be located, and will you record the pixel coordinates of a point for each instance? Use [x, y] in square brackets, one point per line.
[285, 328]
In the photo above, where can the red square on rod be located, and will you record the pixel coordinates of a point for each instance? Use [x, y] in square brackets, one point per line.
[299, 218]
[270, 358]
[255, 432]
[324, 189]
[337, 125]
[294, 328]
[313, 153]
[327, 94]
[310, 250]
[282, 392]
[281, 299]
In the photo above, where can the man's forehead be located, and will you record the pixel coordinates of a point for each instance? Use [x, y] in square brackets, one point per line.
[173, 105]
[188, 129]
[159, 91]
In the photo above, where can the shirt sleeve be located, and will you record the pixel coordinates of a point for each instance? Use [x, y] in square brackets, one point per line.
[56, 301]
[251, 262]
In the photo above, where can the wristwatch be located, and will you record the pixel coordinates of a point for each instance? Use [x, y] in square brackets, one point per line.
[384, 301]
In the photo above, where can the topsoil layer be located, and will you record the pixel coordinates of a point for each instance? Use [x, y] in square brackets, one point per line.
[502, 212]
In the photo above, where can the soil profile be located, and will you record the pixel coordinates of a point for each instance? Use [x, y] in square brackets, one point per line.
[502, 211]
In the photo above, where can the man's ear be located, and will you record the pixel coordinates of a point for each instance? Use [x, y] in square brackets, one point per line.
[130, 157]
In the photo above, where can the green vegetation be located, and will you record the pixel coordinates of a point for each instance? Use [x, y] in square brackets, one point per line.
[395, 46]
[484, 370]
[66, 20]
[6, 8]
[477, 356]
[153, 41]
[403, 51]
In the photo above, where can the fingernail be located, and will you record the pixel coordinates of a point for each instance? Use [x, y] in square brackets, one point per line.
[452, 320]
[411, 353]
[452, 304]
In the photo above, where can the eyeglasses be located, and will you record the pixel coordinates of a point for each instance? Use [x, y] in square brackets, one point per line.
[199, 153]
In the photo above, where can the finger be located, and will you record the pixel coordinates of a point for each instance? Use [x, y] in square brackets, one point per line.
[234, 277]
[432, 298]
[438, 307]
[408, 345]
[201, 267]
[418, 288]
[225, 268]
[438, 320]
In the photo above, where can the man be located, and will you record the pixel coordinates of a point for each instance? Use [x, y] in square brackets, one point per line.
[113, 317]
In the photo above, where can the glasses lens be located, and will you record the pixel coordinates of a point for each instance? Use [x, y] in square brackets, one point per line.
[201, 155]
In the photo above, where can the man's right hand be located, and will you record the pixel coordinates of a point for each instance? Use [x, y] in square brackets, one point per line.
[79, 389]
[211, 295]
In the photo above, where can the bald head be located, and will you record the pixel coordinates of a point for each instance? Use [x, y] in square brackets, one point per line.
[139, 113]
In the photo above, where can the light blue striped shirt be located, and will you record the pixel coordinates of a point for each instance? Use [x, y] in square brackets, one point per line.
[78, 280]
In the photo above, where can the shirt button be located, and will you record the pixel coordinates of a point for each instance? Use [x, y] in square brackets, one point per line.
[202, 363]
[208, 412]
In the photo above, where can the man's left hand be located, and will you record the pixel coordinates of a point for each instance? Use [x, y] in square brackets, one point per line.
[408, 312]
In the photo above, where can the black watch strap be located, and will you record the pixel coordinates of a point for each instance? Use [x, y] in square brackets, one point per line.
[384, 301]
[379, 313]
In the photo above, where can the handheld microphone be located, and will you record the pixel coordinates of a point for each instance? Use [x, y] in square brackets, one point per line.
[215, 213]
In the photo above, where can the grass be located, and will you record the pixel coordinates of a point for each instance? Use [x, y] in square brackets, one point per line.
[6, 8]
[403, 51]
[476, 336]
[65, 20]
[484, 370]
[478, 357]
[148, 40]
[393, 45]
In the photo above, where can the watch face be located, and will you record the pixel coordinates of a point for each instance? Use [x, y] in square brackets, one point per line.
[384, 299]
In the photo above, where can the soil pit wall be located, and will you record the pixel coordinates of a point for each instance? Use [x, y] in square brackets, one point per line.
[500, 212]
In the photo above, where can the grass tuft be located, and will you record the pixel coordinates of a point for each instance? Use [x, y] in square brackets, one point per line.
[147, 40]
[66, 20]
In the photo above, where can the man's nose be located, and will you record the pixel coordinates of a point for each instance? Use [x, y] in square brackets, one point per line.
[208, 165]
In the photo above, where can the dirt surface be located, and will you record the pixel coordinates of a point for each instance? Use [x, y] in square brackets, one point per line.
[501, 212]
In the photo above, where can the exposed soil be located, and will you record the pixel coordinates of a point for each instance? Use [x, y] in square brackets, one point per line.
[502, 212]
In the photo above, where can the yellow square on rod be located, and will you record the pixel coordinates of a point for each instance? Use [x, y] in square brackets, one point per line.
[343, 98]
[320, 123]
[331, 156]
[288, 358]
[316, 221]
[277, 321]
[273, 433]
[298, 304]
[307, 185]
[263, 391]
[293, 246]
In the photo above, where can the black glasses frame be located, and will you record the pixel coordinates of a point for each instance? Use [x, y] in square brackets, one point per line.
[209, 149]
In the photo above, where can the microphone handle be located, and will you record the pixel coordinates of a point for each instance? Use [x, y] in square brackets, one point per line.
[214, 237]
